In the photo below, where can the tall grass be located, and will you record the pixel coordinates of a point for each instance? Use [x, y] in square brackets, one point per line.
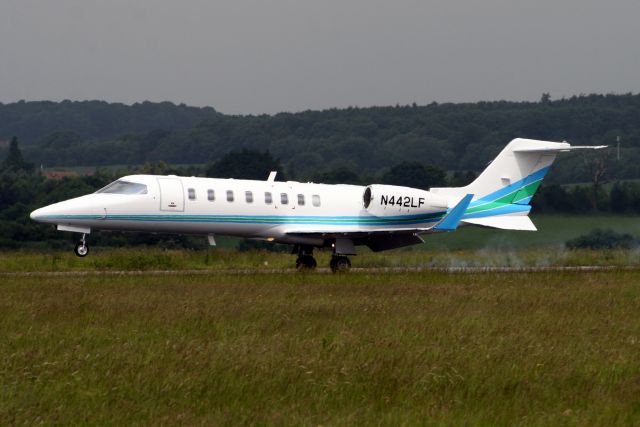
[559, 348]
[220, 259]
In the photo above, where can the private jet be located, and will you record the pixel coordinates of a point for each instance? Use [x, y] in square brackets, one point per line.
[308, 215]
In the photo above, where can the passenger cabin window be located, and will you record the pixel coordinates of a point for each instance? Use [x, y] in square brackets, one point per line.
[229, 196]
[192, 193]
[248, 195]
[124, 187]
[267, 198]
[315, 200]
[300, 199]
[284, 198]
[211, 195]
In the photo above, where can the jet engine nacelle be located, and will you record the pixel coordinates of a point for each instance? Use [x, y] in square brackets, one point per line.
[387, 200]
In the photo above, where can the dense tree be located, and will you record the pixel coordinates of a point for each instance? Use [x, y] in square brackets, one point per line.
[246, 164]
[619, 197]
[14, 160]
[33, 121]
[625, 197]
[553, 198]
[450, 136]
[462, 178]
[158, 168]
[416, 175]
[338, 175]
[604, 239]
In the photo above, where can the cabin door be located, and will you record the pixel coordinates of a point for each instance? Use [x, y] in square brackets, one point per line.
[171, 194]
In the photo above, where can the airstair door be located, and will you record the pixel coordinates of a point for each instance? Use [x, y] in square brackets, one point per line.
[171, 194]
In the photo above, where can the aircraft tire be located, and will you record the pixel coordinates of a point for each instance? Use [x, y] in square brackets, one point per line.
[306, 262]
[340, 264]
[81, 249]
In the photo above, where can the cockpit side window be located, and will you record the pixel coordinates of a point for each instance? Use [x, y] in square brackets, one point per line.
[124, 187]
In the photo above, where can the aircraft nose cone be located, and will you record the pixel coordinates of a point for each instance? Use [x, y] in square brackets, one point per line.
[34, 215]
[38, 215]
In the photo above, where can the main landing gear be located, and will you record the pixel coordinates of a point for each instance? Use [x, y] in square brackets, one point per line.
[306, 261]
[339, 263]
[81, 248]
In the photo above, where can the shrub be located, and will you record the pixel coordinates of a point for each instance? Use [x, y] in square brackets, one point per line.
[603, 239]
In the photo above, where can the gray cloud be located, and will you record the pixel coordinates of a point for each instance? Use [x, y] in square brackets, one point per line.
[243, 56]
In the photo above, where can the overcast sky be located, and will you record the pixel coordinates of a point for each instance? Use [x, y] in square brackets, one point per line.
[267, 56]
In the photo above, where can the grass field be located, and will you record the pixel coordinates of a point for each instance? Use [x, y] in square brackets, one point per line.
[549, 348]
[105, 259]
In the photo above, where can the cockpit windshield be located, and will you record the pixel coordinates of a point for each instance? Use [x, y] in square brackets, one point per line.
[124, 187]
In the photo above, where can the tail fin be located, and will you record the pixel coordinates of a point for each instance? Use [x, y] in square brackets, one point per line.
[507, 185]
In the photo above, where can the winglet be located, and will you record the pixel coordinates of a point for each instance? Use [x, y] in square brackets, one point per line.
[452, 218]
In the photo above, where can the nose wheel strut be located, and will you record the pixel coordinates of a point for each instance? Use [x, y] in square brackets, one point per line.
[81, 248]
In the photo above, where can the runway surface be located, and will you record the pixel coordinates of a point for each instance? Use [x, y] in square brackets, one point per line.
[354, 270]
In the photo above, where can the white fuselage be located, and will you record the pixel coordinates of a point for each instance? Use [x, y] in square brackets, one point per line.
[254, 209]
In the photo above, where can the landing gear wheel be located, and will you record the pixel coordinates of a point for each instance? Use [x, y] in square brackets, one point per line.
[339, 264]
[306, 262]
[81, 249]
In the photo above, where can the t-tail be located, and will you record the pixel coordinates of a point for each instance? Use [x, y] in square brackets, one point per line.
[503, 191]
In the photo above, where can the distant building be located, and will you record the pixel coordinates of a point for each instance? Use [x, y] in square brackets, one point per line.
[59, 174]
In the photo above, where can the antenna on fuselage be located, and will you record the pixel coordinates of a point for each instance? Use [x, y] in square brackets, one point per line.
[272, 176]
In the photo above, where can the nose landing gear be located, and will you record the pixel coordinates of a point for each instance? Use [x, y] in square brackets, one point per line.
[81, 248]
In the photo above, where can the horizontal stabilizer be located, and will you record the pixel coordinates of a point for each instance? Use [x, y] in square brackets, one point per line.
[555, 147]
[523, 223]
[452, 218]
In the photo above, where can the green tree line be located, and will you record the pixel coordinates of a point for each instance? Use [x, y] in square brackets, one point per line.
[33, 121]
[455, 137]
